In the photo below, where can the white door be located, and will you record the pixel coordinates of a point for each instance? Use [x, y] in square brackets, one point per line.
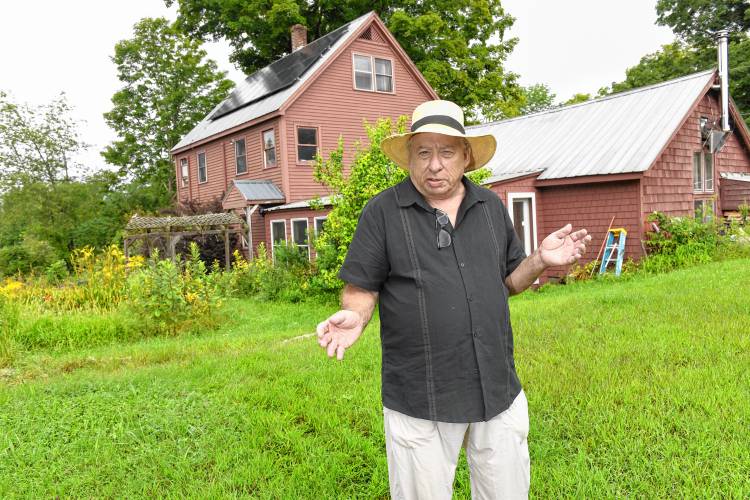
[523, 215]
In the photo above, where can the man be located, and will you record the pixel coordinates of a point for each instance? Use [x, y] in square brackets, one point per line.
[441, 256]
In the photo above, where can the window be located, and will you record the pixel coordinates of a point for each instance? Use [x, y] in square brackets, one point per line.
[704, 209]
[269, 148]
[299, 235]
[383, 75]
[319, 223]
[278, 235]
[307, 143]
[369, 71]
[184, 171]
[202, 174]
[239, 156]
[362, 72]
[703, 172]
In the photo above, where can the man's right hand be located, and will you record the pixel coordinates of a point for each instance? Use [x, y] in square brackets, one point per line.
[339, 332]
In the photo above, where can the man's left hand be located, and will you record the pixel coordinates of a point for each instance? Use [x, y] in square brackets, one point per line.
[564, 246]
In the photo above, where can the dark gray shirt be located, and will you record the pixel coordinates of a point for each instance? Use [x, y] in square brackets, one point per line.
[447, 342]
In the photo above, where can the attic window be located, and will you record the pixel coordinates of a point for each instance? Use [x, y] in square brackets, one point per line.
[373, 74]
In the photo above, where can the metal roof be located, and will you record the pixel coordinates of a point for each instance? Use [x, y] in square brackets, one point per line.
[324, 200]
[615, 134]
[259, 190]
[735, 176]
[266, 90]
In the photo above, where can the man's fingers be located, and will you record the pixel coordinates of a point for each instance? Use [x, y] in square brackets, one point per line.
[578, 235]
[322, 328]
[340, 352]
[331, 350]
[563, 231]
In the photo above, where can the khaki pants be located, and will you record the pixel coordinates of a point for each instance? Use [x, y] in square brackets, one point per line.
[422, 455]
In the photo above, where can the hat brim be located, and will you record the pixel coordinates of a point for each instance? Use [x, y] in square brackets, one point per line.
[483, 147]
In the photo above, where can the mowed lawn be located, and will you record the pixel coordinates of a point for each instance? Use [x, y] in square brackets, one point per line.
[636, 388]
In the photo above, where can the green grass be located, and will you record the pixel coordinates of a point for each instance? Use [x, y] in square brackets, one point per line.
[636, 388]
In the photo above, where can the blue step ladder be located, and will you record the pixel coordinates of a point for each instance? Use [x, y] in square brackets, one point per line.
[615, 245]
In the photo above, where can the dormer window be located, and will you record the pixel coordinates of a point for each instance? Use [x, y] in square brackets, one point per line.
[373, 74]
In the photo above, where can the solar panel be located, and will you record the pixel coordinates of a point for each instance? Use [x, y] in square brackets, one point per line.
[279, 74]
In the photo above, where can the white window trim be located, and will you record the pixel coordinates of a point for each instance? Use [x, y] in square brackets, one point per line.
[307, 232]
[273, 243]
[185, 179]
[263, 147]
[198, 164]
[513, 196]
[373, 74]
[234, 143]
[315, 222]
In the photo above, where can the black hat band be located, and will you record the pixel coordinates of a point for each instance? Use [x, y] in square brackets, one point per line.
[440, 120]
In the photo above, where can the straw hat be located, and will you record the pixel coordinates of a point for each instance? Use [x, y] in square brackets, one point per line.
[440, 117]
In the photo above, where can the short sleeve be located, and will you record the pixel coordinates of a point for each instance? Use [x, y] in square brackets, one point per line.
[514, 252]
[366, 264]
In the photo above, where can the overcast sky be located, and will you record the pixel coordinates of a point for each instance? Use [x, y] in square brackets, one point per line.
[47, 47]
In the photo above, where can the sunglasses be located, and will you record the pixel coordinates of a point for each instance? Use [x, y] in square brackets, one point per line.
[444, 237]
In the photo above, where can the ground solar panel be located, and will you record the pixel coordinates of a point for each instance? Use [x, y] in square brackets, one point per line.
[279, 74]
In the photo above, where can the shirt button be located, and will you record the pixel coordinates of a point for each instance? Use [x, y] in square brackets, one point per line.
[471, 299]
[475, 333]
[461, 264]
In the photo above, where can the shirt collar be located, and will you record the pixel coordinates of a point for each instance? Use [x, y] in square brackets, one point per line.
[408, 195]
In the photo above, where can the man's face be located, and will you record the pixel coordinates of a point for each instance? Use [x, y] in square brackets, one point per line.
[437, 163]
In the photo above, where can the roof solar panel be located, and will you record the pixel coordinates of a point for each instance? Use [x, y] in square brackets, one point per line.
[279, 74]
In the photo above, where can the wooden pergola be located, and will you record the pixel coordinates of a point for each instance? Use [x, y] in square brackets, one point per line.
[172, 229]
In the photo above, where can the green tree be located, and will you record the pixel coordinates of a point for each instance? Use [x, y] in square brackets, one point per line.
[36, 143]
[536, 98]
[697, 21]
[371, 172]
[459, 46]
[578, 98]
[671, 61]
[169, 86]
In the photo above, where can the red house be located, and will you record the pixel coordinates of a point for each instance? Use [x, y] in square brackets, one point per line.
[255, 151]
[623, 156]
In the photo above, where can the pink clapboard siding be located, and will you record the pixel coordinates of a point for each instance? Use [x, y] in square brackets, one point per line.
[332, 104]
[222, 164]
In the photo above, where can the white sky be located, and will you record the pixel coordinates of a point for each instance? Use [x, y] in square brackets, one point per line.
[47, 47]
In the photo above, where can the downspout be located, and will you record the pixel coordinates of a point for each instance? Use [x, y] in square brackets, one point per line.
[250, 212]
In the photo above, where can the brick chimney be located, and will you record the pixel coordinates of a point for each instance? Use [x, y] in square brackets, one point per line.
[299, 37]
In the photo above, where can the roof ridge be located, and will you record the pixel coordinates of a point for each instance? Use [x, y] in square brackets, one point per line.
[601, 99]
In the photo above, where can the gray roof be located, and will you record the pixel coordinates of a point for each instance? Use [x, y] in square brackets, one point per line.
[143, 224]
[735, 176]
[259, 190]
[324, 200]
[615, 134]
[249, 89]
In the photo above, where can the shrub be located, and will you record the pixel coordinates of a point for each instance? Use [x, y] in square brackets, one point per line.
[686, 241]
[172, 296]
[8, 328]
[57, 272]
